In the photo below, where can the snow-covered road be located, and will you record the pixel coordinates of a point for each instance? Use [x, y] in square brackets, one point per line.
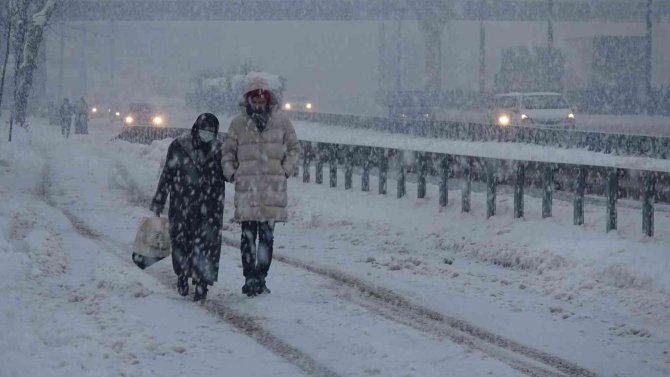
[360, 284]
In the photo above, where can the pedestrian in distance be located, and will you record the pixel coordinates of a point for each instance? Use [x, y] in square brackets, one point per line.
[260, 153]
[193, 179]
[65, 112]
[81, 117]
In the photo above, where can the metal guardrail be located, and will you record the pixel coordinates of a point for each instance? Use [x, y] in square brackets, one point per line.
[608, 143]
[612, 183]
[146, 135]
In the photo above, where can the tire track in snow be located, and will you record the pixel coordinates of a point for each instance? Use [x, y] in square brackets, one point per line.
[395, 307]
[242, 323]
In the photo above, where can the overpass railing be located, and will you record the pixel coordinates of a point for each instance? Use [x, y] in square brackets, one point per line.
[578, 179]
[608, 143]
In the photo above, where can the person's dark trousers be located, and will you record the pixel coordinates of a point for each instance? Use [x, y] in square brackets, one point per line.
[256, 260]
[65, 130]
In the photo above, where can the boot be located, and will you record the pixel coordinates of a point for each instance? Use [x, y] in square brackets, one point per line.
[250, 287]
[182, 285]
[200, 292]
[262, 288]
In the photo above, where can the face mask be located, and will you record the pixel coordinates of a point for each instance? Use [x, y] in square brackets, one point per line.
[206, 136]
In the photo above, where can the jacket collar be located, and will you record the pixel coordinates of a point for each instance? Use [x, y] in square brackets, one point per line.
[186, 142]
[252, 125]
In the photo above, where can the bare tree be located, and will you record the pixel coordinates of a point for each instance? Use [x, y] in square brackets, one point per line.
[5, 24]
[31, 18]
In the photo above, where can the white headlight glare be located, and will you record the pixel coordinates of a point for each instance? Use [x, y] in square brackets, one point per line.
[157, 120]
[129, 119]
[95, 109]
[287, 106]
[524, 116]
[571, 116]
[308, 106]
[503, 120]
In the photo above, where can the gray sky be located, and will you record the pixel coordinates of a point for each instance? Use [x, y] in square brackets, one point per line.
[337, 64]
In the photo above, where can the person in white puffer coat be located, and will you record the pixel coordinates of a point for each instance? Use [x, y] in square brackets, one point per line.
[260, 153]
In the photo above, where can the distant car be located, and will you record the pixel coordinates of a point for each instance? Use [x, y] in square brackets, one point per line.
[298, 104]
[143, 114]
[113, 112]
[413, 113]
[542, 109]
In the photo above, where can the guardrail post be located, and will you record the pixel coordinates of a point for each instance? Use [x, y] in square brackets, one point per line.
[548, 190]
[421, 170]
[467, 185]
[319, 163]
[383, 169]
[612, 193]
[365, 177]
[444, 177]
[520, 177]
[401, 174]
[649, 193]
[305, 162]
[348, 166]
[490, 188]
[578, 201]
[333, 165]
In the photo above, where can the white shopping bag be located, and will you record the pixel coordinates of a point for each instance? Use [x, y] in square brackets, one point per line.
[153, 238]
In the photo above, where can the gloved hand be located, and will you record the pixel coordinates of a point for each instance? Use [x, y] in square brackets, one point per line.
[156, 209]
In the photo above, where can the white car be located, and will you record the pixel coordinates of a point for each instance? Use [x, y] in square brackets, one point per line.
[542, 109]
[298, 104]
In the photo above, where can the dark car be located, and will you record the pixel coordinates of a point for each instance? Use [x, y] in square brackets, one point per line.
[143, 114]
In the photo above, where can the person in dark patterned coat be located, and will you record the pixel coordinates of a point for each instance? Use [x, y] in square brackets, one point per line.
[193, 179]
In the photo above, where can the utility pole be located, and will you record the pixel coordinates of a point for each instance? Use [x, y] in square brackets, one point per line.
[433, 16]
[112, 59]
[550, 25]
[482, 49]
[61, 58]
[83, 68]
[398, 57]
[648, 56]
[382, 56]
[382, 84]
[551, 66]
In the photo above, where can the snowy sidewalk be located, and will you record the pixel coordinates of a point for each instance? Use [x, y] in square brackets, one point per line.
[598, 300]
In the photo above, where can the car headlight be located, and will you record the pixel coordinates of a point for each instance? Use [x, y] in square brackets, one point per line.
[287, 106]
[308, 106]
[118, 114]
[157, 120]
[94, 110]
[129, 119]
[524, 116]
[571, 116]
[503, 120]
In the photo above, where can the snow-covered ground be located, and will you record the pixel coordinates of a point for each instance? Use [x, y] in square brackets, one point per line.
[362, 284]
